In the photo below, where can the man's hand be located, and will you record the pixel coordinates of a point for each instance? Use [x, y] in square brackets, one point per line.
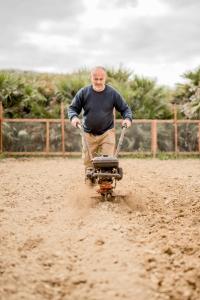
[75, 122]
[127, 123]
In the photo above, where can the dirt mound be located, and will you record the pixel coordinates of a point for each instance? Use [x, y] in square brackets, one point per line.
[57, 242]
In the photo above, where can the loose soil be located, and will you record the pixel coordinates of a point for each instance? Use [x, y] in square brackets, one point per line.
[57, 242]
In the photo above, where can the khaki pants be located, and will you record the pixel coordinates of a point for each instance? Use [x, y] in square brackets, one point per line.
[103, 144]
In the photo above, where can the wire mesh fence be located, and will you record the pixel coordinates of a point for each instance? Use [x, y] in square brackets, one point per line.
[56, 136]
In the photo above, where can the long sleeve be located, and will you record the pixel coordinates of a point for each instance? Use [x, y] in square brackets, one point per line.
[76, 105]
[122, 107]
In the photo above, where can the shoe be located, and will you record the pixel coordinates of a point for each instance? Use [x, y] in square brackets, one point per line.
[89, 180]
[88, 173]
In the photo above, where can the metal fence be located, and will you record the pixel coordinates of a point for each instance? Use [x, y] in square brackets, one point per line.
[57, 137]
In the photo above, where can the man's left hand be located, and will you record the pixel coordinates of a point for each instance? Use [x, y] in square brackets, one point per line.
[127, 123]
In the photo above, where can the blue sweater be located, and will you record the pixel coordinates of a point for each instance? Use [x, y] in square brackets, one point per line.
[98, 108]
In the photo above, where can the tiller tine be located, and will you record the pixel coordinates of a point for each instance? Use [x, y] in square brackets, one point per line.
[105, 187]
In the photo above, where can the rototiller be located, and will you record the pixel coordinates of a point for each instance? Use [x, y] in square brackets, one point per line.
[106, 171]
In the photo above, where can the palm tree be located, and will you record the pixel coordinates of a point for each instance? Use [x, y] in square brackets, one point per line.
[187, 95]
[149, 100]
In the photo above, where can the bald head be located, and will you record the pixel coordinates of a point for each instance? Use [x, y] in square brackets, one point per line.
[98, 78]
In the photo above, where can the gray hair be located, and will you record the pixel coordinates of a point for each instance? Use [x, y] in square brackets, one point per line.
[97, 68]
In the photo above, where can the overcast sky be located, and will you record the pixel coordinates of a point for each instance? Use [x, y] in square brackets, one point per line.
[155, 38]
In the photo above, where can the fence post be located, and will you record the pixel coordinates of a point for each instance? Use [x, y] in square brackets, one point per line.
[154, 137]
[199, 137]
[47, 137]
[62, 116]
[175, 129]
[1, 127]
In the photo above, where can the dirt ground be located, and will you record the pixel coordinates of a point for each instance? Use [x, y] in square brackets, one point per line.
[57, 242]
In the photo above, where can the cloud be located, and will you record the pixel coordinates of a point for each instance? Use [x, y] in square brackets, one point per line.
[126, 2]
[172, 37]
[18, 16]
[40, 9]
[155, 37]
[182, 4]
[50, 43]
[117, 3]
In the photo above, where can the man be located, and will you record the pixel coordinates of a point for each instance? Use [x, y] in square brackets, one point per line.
[98, 101]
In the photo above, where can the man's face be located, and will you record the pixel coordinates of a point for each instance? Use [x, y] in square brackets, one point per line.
[98, 79]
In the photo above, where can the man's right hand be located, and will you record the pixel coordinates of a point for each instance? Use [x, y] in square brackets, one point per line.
[75, 122]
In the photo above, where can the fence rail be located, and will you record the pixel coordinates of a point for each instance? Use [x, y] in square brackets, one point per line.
[63, 138]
